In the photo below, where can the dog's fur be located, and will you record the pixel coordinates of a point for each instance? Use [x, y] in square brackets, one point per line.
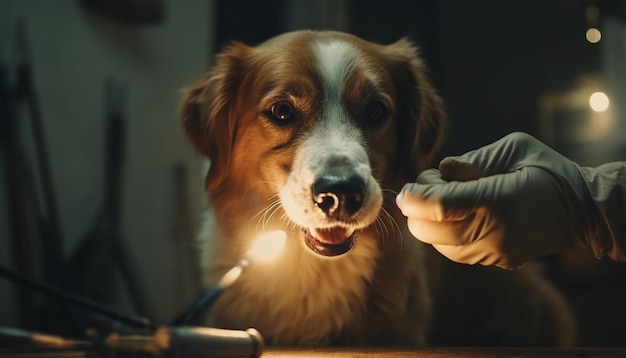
[314, 133]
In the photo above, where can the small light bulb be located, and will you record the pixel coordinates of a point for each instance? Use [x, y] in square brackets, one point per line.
[599, 101]
[593, 35]
[267, 247]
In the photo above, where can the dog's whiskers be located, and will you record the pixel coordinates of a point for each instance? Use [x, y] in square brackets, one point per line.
[381, 229]
[387, 191]
[389, 219]
[269, 213]
[386, 218]
[264, 217]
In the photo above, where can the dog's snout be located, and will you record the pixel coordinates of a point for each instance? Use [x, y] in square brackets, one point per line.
[339, 197]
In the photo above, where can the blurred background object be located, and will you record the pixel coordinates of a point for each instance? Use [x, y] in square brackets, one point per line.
[554, 69]
[75, 49]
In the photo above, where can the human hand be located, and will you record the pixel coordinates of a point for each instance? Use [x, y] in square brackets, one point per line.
[503, 204]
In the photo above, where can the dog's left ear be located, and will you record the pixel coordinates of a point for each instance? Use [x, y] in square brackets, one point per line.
[207, 111]
[421, 114]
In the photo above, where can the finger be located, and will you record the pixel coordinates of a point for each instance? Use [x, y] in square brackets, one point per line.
[502, 156]
[441, 233]
[477, 253]
[424, 201]
[452, 201]
[430, 176]
[477, 226]
[460, 169]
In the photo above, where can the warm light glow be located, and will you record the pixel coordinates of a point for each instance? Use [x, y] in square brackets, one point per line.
[231, 276]
[593, 35]
[599, 101]
[267, 247]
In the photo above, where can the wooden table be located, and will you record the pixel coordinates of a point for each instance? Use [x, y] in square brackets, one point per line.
[360, 353]
[448, 353]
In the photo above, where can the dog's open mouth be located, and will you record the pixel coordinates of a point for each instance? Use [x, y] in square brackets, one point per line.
[329, 242]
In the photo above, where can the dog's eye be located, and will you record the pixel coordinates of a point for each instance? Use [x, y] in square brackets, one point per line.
[282, 111]
[377, 112]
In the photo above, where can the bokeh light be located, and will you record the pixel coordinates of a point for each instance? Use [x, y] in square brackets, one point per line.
[593, 35]
[599, 101]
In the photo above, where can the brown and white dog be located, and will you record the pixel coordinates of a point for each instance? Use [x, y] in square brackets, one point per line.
[314, 133]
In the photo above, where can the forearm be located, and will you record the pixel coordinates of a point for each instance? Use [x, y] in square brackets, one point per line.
[607, 187]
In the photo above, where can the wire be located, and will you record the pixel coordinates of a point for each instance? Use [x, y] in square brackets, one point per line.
[131, 320]
[192, 314]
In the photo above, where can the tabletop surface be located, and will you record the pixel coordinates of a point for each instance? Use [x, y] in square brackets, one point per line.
[272, 352]
[448, 352]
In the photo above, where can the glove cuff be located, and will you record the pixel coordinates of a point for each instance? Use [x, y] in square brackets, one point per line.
[606, 186]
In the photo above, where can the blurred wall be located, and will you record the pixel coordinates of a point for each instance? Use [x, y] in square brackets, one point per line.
[74, 50]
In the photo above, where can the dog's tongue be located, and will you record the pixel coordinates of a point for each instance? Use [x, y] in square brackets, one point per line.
[331, 236]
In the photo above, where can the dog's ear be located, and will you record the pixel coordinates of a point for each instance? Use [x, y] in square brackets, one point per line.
[421, 114]
[206, 111]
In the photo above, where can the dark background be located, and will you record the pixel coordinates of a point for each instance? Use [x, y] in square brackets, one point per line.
[492, 61]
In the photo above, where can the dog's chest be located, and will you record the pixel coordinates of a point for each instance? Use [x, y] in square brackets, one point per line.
[301, 298]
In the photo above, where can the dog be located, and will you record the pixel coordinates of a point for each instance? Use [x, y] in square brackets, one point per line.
[314, 133]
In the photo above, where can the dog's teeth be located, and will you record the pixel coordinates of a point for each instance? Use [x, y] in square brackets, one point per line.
[335, 235]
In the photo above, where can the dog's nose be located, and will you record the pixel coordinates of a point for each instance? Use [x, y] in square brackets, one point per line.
[339, 197]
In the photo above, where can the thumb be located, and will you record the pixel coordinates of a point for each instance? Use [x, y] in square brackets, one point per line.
[461, 169]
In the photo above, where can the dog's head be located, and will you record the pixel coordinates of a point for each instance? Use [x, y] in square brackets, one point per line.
[324, 121]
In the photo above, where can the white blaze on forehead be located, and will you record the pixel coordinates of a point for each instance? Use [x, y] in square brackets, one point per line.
[335, 60]
[334, 132]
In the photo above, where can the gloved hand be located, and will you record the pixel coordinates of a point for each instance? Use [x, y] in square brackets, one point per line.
[515, 200]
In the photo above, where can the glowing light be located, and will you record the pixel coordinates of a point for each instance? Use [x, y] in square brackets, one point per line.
[267, 247]
[232, 275]
[599, 101]
[593, 35]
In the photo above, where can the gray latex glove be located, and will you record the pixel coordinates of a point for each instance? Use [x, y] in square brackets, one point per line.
[515, 200]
